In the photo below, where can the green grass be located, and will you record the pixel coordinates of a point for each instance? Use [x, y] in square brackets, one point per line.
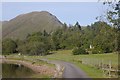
[90, 71]
[32, 59]
[35, 61]
[66, 55]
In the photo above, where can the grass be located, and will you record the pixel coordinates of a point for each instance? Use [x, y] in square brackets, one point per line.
[66, 55]
[32, 59]
[90, 71]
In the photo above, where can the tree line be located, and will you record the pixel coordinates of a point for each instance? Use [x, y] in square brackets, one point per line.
[96, 38]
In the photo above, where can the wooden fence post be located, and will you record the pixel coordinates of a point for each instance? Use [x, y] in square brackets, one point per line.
[110, 68]
[102, 67]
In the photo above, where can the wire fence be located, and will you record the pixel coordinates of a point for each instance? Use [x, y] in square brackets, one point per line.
[107, 67]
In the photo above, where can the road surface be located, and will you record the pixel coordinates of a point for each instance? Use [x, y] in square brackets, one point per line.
[70, 71]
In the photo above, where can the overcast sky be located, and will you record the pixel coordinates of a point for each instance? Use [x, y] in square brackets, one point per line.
[69, 12]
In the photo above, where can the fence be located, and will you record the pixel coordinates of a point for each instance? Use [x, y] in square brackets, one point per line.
[108, 69]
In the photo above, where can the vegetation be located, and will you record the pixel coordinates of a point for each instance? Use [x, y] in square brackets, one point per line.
[99, 37]
[113, 17]
[78, 51]
[96, 38]
[75, 59]
[8, 46]
[23, 25]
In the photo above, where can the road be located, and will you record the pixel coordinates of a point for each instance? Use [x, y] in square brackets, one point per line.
[70, 71]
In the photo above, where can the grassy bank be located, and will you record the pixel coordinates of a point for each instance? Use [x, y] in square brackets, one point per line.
[66, 55]
[34, 62]
[33, 59]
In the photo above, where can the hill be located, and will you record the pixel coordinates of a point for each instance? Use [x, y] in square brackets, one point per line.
[24, 24]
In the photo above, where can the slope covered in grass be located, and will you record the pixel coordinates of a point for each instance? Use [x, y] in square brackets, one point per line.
[24, 24]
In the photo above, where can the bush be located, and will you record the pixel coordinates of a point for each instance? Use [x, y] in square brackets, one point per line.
[96, 51]
[8, 46]
[78, 51]
[33, 48]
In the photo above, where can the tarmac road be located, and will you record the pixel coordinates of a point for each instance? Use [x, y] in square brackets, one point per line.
[70, 71]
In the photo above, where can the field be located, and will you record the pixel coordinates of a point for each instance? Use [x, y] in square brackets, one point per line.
[66, 55]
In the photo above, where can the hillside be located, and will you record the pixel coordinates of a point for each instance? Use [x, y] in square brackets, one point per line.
[24, 24]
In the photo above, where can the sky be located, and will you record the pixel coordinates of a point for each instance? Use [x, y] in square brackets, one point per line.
[69, 12]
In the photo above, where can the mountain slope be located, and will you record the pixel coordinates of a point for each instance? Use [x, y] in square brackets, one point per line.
[22, 25]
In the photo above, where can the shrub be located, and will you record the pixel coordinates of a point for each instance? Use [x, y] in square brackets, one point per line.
[33, 48]
[96, 51]
[8, 46]
[78, 51]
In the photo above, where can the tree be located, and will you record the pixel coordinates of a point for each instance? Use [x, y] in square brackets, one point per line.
[77, 25]
[8, 46]
[55, 41]
[33, 48]
[79, 50]
[24, 49]
[45, 33]
[36, 44]
[64, 26]
[38, 48]
[101, 36]
[113, 16]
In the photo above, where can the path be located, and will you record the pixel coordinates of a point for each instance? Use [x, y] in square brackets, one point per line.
[70, 71]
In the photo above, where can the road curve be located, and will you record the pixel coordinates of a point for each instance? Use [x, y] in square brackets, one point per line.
[70, 71]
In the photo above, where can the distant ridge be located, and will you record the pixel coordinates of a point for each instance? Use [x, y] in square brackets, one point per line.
[24, 24]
